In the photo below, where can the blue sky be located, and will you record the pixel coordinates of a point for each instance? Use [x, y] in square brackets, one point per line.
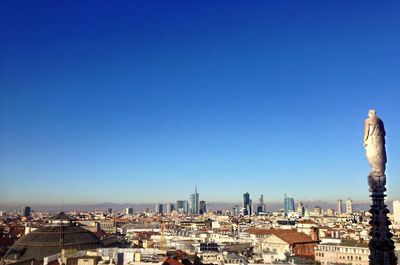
[138, 101]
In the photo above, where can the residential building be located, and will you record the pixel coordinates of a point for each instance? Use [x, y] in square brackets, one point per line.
[343, 252]
[276, 244]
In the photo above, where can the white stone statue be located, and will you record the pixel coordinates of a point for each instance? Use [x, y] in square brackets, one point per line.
[374, 143]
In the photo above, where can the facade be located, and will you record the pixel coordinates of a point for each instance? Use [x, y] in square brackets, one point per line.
[343, 252]
[349, 206]
[339, 207]
[288, 204]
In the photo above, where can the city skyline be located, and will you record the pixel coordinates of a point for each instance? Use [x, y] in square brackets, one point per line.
[263, 97]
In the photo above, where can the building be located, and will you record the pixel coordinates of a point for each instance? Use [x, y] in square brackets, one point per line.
[236, 210]
[159, 208]
[128, 210]
[318, 210]
[349, 206]
[339, 207]
[170, 208]
[396, 212]
[300, 209]
[330, 212]
[343, 252]
[247, 207]
[26, 211]
[275, 244]
[61, 232]
[182, 206]
[261, 205]
[288, 204]
[203, 207]
[194, 202]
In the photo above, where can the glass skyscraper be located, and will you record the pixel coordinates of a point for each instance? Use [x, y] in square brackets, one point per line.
[288, 204]
[194, 202]
[247, 204]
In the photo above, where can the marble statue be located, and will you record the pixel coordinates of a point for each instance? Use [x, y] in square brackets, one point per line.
[374, 143]
[381, 245]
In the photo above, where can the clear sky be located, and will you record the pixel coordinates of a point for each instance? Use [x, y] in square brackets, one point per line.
[138, 101]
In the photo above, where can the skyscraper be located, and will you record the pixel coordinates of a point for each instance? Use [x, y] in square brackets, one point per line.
[300, 209]
[396, 212]
[159, 208]
[203, 207]
[236, 210]
[247, 207]
[288, 204]
[182, 206]
[261, 205]
[349, 206]
[194, 202]
[128, 210]
[339, 207]
[26, 211]
[170, 208]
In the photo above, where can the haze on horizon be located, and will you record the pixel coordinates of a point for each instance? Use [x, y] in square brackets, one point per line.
[140, 101]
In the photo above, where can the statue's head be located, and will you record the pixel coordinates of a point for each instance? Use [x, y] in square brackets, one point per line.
[371, 113]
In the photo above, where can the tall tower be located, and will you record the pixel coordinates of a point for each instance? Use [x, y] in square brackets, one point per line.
[288, 204]
[202, 207]
[339, 207]
[194, 202]
[349, 206]
[247, 204]
[26, 211]
[261, 205]
[197, 199]
[396, 212]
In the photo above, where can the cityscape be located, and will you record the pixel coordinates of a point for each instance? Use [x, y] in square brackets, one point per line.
[185, 230]
[199, 132]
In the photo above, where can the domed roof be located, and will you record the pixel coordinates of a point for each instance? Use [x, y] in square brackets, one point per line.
[50, 239]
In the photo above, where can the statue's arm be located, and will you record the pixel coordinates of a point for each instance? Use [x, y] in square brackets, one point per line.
[366, 129]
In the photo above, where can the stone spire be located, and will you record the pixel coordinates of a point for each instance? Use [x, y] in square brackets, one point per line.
[381, 245]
